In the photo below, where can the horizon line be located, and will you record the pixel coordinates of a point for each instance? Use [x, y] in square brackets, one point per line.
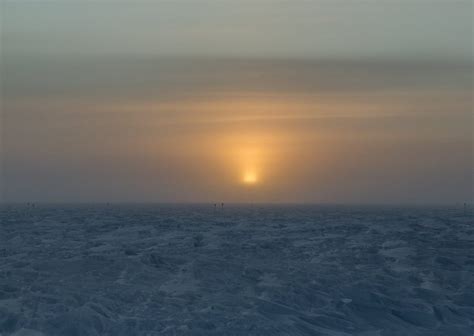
[415, 204]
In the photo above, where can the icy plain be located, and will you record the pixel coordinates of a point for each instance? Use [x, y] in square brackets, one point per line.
[242, 270]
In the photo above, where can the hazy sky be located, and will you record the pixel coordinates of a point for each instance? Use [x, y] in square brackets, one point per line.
[246, 101]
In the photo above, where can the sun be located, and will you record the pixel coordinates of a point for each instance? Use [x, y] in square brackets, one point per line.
[250, 178]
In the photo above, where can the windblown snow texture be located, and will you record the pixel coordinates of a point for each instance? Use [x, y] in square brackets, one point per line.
[242, 270]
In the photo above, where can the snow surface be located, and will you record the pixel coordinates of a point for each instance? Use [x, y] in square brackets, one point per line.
[244, 270]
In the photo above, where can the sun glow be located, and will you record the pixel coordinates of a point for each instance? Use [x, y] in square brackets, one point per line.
[250, 160]
[250, 178]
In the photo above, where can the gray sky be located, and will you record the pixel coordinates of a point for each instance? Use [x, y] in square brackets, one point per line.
[437, 29]
[320, 101]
